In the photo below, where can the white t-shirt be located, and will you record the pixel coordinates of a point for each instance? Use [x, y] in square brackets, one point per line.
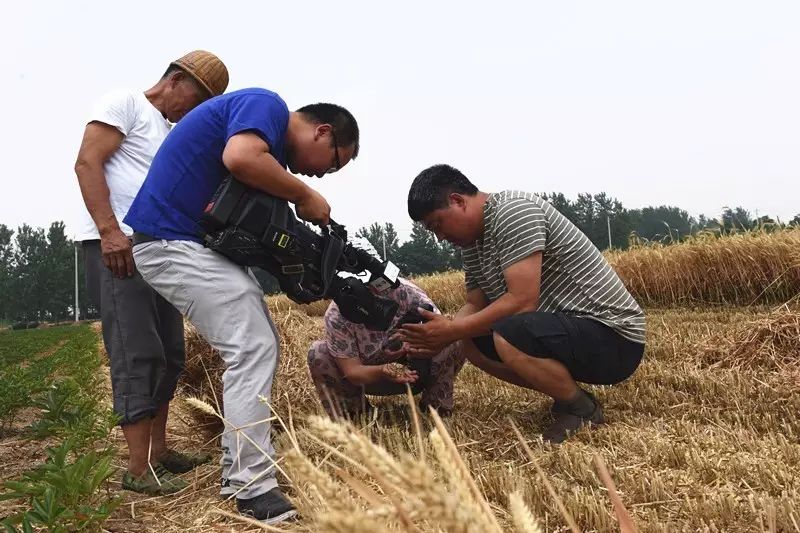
[144, 129]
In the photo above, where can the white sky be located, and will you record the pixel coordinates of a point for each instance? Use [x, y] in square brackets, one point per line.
[688, 103]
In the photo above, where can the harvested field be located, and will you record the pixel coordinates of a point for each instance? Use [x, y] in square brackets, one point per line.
[691, 444]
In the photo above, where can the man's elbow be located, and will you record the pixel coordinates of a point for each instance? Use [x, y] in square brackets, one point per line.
[82, 166]
[527, 303]
[233, 161]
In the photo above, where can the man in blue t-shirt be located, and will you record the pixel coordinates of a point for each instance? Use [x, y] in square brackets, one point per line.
[252, 135]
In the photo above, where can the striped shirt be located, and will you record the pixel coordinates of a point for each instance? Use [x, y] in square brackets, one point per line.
[576, 278]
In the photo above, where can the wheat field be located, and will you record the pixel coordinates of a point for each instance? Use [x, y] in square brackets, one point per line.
[703, 437]
[747, 268]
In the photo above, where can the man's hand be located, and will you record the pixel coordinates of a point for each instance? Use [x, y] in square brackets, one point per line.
[398, 373]
[428, 339]
[117, 253]
[314, 208]
[406, 350]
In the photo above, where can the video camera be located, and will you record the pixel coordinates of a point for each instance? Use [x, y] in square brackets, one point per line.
[252, 228]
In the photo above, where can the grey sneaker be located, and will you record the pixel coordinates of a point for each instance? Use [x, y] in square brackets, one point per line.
[271, 507]
[565, 422]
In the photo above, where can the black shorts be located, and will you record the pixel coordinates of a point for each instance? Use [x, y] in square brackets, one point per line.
[591, 351]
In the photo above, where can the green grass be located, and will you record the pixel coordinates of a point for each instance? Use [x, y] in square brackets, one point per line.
[24, 344]
[55, 373]
[30, 358]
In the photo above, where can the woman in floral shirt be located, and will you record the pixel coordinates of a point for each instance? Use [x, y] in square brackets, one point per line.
[353, 361]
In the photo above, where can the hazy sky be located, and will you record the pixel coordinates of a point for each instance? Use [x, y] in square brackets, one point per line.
[688, 103]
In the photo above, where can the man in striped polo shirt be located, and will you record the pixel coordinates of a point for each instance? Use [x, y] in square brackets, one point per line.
[544, 309]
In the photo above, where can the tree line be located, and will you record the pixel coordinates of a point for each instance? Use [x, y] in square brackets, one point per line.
[37, 270]
[37, 275]
[603, 219]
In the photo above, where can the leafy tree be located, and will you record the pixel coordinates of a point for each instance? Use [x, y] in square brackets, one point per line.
[594, 214]
[611, 215]
[737, 219]
[585, 217]
[30, 253]
[6, 270]
[381, 237]
[664, 222]
[451, 256]
[422, 254]
[562, 204]
[59, 267]
[37, 275]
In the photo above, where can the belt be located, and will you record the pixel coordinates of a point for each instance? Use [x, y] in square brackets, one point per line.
[139, 238]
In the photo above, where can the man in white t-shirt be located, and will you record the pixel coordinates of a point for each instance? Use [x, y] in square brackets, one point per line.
[142, 332]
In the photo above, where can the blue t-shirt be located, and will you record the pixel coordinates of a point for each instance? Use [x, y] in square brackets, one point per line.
[187, 169]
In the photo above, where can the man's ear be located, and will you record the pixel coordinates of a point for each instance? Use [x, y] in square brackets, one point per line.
[176, 77]
[457, 200]
[321, 130]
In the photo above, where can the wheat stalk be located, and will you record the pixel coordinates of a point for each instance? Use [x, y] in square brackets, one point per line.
[523, 519]
[626, 523]
[566, 514]
[464, 472]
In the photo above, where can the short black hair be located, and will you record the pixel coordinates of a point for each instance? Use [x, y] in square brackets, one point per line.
[171, 69]
[341, 120]
[432, 187]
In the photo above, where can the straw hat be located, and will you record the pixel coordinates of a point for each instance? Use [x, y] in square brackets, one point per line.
[206, 69]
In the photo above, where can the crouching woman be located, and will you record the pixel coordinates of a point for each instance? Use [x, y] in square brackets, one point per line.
[353, 361]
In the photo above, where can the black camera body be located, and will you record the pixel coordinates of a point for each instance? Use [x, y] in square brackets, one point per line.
[255, 229]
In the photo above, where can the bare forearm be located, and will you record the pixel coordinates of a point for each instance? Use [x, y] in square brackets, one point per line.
[467, 310]
[94, 189]
[479, 322]
[366, 375]
[263, 172]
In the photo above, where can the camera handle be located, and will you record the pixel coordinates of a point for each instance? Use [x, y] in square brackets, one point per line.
[332, 251]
